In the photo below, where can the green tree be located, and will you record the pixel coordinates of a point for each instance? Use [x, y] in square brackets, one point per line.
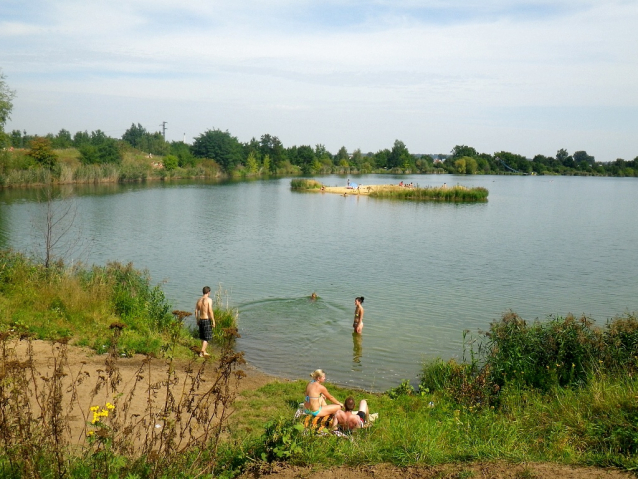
[81, 138]
[381, 158]
[42, 152]
[342, 155]
[183, 152]
[400, 156]
[306, 158]
[220, 146]
[138, 137]
[6, 101]
[171, 162]
[100, 149]
[266, 164]
[134, 135]
[564, 158]
[460, 165]
[16, 139]
[62, 140]
[252, 163]
[460, 151]
[271, 146]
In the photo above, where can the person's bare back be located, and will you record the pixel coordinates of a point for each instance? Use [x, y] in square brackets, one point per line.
[205, 320]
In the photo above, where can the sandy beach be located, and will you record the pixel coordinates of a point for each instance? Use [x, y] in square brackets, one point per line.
[360, 190]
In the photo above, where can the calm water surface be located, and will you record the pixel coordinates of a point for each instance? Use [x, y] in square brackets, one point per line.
[428, 271]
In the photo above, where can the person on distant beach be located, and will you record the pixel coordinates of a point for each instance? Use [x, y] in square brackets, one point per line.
[349, 419]
[316, 394]
[348, 186]
[205, 320]
[358, 315]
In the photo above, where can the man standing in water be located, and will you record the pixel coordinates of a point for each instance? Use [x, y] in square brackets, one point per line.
[205, 320]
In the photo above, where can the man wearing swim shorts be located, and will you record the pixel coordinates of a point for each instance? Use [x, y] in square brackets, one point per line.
[205, 320]
[349, 420]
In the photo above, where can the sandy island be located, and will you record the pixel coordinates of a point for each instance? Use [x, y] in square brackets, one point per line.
[360, 189]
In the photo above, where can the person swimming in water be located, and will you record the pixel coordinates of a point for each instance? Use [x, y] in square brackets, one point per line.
[358, 315]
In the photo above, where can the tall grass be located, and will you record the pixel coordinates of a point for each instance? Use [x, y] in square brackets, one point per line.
[80, 303]
[454, 193]
[176, 433]
[305, 184]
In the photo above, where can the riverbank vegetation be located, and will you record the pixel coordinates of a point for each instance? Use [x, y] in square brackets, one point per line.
[561, 390]
[78, 304]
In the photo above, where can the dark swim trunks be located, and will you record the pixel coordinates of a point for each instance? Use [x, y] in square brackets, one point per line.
[205, 330]
[362, 416]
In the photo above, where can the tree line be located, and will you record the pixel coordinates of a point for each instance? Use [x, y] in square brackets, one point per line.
[267, 155]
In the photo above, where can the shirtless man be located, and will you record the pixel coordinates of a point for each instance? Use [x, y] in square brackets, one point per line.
[349, 420]
[205, 320]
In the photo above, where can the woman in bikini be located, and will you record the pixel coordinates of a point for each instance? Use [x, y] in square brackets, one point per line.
[316, 394]
[358, 315]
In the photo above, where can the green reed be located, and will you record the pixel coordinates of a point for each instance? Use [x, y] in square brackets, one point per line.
[305, 184]
[454, 193]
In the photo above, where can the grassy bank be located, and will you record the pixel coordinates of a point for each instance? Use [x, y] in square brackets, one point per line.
[562, 390]
[17, 168]
[79, 304]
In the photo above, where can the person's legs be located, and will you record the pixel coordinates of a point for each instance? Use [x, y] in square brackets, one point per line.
[329, 410]
[363, 407]
[204, 346]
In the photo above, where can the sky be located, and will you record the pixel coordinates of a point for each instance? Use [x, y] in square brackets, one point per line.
[525, 76]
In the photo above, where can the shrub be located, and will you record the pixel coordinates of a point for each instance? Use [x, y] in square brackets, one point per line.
[305, 184]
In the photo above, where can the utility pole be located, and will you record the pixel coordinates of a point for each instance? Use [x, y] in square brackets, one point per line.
[163, 125]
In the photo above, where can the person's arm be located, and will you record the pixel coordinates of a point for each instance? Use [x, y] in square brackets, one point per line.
[210, 311]
[325, 392]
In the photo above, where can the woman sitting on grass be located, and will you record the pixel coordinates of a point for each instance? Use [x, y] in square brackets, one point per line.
[316, 394]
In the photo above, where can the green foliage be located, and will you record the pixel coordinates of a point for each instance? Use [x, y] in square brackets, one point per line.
[455, 193]
[171, 162]
[138, 137]
[304, 184]
[281, 440]
[403, 389]
[558, 353]
[6, 101]
[183, 152]
[220, 146]
[42, 153]
[83, 302]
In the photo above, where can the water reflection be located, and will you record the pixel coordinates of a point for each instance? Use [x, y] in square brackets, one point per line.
[357, 351]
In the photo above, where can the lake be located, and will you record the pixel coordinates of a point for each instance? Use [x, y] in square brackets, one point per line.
[540, 246]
